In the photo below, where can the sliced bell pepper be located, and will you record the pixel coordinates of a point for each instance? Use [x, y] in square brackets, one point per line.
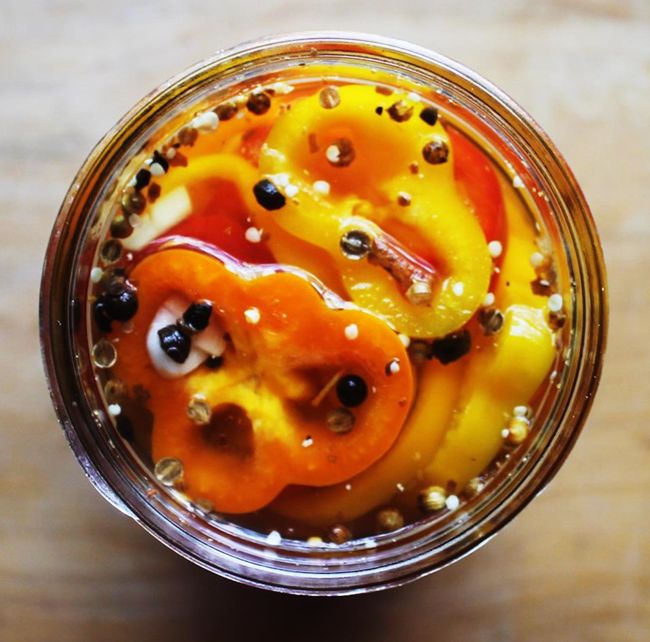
[273, 394]
[437, 232]
[205, 200]
[480, 185]
[398, 470]
[500, 377]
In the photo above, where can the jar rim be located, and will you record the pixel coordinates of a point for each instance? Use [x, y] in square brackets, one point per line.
[263, 565]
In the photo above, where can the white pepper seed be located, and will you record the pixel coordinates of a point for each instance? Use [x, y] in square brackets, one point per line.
[199, 410]
[555, 302]
[340, 420]
[111, 251]
[452, 502]
[339, 534]
[253, 235]
[518, 430]
[351, 331]
[389, 519]
[104, 354]
[329, 98]
[96, 274]
[321, 187]
[495, 249]
[432, 499]
[169, 471]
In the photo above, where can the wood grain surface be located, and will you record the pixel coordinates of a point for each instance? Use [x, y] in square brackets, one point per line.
[574, 566]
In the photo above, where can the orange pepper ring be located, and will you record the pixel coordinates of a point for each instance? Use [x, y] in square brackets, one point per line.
[298, 329]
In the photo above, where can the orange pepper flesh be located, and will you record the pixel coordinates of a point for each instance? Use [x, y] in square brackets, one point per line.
[262, 357]
[275, 369]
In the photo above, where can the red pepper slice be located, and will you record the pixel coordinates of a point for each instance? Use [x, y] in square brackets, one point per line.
[478, 180]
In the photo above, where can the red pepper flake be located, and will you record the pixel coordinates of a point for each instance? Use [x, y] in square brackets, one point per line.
[384, 91]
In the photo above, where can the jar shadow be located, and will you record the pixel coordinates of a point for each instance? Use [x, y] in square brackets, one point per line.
[216, 608]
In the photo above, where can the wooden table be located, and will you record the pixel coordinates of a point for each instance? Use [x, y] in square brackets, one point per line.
[574, 566]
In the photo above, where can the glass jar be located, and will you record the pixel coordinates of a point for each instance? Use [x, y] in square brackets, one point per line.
[522, 150]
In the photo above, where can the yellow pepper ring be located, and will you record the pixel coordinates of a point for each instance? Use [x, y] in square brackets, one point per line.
[372, 185]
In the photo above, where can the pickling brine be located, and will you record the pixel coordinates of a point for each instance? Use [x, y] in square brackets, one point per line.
[323, 310]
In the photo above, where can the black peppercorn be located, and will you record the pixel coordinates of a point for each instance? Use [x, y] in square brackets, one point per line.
[175, 343]
[268, 195]
[161, 160]
[121, 301]
[142, 178]
[429, 115]
[351, 390]
[197, 316]
[452, 347]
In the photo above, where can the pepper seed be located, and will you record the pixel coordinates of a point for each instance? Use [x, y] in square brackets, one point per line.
[473, 487]
[555, 302]
[142, 178]
[400, 111]
[389, 519]
[340, 420]
[340, 153]
[490, 320]
[104, 354]
[199, 410]
[518, 429]
[258, 103]
[111, 251]
[114, 390]
[329, 98]
[175, 343]
[355, 244]
[432, 499]
[339, 534]
[226, 111]
[169, 471]
[404, 199]
[187, 136]
[429, 115]
[435, 152]
[268, 195]
[133, 201]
